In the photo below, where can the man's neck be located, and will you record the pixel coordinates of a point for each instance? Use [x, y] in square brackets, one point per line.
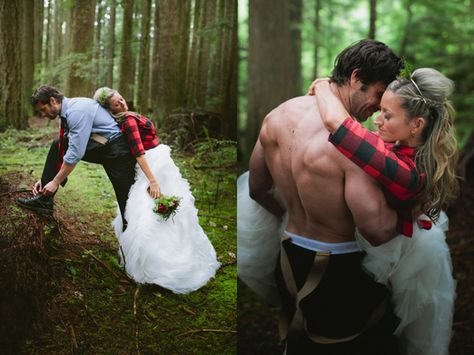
[342, 92]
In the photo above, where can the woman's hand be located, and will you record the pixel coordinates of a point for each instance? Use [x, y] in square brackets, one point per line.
[154, 190]
[312, 87]
[331, 109]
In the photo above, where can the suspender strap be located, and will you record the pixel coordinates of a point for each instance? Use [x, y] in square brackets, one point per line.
[298, 322]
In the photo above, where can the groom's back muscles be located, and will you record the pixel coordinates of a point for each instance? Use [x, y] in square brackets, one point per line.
[326, 195]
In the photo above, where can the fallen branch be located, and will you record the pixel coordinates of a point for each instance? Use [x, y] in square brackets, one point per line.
[228, 264]
[89, 252]
[74, 345]
[14, 191]
[208, 330]
[135, 299]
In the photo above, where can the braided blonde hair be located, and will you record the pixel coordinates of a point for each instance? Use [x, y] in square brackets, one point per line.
[425, 94]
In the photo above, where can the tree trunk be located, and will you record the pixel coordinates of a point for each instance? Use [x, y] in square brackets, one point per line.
[111, 47]
[154, 80]
[194, 57]
[11, 98]
[38, 28]
[172, 52]
[373, 18]
[408, 25]
[317, 25]
[269, 71]
[97, 43]
[126, 58]
[82, 35]
[28, 44]
[143, 67]
[230, 71]
[295, 13]
[47, 46]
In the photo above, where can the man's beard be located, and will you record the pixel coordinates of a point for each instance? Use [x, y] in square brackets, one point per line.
[357, 107]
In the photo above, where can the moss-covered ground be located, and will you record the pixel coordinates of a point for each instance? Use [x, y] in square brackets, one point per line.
[95, 308]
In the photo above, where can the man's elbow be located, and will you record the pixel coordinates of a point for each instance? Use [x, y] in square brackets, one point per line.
[379, 231]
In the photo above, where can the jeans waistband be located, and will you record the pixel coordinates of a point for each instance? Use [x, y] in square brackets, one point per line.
[316, 245]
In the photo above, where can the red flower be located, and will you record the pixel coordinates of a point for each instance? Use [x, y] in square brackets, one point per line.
[162, 208]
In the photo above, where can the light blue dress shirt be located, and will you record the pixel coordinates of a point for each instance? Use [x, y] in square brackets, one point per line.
[85, 116]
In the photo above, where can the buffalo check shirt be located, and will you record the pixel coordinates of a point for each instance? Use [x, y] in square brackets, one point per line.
[391, 165]
[139, 133]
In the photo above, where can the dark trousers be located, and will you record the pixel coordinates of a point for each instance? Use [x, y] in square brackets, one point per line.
[116, 159]
[339, 307]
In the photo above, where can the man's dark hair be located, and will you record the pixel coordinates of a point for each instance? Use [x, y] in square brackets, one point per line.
[44, 93]
[374, 61]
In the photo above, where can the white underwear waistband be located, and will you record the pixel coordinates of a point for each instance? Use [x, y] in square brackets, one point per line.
[316, 245]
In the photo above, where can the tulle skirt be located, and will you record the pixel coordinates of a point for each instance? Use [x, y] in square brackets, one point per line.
[175, 254]
[418, 270]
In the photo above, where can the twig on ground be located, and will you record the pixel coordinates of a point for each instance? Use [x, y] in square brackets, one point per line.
[228, 264]
[187, 310]
[73, 339]
[89, 252]
[14, 191]
[135, 299]
[208, 330]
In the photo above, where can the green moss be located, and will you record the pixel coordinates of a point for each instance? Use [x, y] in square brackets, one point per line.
[97, 305]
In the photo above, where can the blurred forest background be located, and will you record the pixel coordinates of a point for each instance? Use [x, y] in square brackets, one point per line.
[285, 44]
[172, 59]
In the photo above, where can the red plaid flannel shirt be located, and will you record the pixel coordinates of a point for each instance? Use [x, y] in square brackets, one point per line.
[391, 165]
[139, 133]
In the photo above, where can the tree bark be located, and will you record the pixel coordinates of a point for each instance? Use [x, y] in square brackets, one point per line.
[28, 45]
[47, 46]
[111, 46]
[97, 43]
[295, 15]
[404, 42]
[172, 52]
[154, 81]
[269, 71]
[82, 35]
[194, 58]
[373, 18]
[38, 25]
[11, 97]
[317, 25]
[143, 67]
[126, 58]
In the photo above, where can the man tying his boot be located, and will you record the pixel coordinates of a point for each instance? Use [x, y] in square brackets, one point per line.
[88, 132]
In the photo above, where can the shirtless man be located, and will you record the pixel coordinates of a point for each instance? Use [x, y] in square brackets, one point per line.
[331, 305]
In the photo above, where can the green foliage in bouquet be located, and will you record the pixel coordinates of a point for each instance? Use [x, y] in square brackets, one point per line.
[166, 206]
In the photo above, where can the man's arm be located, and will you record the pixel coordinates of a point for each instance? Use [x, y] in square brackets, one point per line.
[373, 217]
[62, 174]
[261, 181]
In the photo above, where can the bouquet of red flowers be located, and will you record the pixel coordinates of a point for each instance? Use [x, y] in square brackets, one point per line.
[166, 206]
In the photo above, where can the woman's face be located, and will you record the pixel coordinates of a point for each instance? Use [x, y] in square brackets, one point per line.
[392, 121]
[117, 103]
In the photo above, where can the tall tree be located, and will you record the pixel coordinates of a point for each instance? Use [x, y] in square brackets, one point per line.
[269, 71]
[154, 81]
[143, 59]
[11, 97]
[126, 58]
[38, 10]
[230, 70]
[82, 35]
[97, 42]
[111, 46]
[408, 26]
[317, 28]
[373, 18]
[295, 9]
[47, 45]
[194, 58]
[172, 51]
[28, 43]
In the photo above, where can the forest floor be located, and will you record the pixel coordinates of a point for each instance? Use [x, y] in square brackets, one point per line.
[258, 321]
[95, 308]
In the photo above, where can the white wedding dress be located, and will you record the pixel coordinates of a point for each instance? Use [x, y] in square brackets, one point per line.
[175, 254]
[418, 271]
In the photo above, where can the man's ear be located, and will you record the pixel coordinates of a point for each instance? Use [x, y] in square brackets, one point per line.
[53, 101]
[354, 79]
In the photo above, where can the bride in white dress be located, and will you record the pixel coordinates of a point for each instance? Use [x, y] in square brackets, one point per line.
[174, 253]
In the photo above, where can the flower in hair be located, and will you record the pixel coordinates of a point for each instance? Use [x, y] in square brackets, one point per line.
[407, 70]
[102, 99]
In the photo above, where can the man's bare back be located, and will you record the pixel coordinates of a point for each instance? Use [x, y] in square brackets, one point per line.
[326, 195]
